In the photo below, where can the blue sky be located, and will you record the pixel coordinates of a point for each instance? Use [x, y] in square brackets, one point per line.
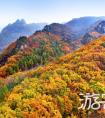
[49, 10]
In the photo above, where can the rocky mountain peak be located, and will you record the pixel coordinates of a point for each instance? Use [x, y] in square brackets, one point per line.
[100, 27]
[20, 21]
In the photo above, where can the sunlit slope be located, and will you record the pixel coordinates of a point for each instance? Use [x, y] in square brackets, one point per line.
[53, 91]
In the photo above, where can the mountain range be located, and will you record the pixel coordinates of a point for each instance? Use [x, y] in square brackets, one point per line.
[79, 26]
[12, 32]
[73, 31]
[76, 27]
[79, 31]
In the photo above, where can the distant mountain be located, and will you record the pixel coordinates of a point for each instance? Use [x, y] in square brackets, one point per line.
[79, 31]
[79, 26]
[99, 27]
[19, 28]
[94, 32]
[73, 29]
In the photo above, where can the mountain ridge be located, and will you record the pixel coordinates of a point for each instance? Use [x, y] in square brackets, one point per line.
[28, 52]
[19, 28]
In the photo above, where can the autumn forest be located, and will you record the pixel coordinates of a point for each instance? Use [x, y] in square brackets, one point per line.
[52, 70]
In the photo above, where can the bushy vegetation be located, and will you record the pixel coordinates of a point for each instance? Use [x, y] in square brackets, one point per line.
[30, 52]
[103, 44]
[52, 91]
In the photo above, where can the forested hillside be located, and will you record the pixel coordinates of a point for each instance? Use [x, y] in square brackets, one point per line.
[52, 91]
[30, 52]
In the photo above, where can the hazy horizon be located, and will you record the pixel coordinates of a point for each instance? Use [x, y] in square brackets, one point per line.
[3, 26]
[48, 11]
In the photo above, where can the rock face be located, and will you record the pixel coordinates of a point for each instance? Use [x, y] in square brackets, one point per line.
[13, 31]
[100, 28]
[95, 32]
[88, 37]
